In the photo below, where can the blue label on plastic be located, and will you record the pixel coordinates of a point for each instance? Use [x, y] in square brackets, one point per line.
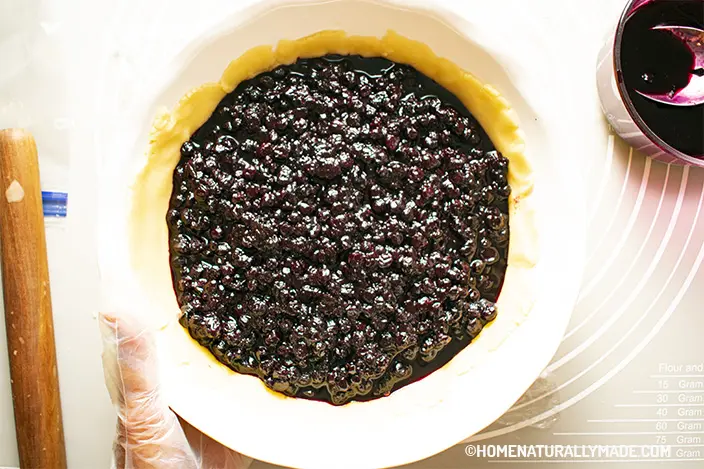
[54, 203]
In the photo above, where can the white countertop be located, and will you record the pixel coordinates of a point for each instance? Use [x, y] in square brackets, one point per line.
[130, 38]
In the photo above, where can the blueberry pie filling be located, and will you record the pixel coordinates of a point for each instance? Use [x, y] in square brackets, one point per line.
[339, 228]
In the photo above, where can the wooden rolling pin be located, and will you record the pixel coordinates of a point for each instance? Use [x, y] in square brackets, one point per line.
[28, 317]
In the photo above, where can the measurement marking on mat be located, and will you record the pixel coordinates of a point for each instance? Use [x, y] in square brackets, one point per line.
[658, 405]
[676, 391]
[642, 420]
[677, 376]
[624, 433]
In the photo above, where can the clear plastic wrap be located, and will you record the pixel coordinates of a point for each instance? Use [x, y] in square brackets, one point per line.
[33, 89]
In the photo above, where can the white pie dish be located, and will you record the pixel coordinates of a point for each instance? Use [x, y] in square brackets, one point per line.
[397, 431]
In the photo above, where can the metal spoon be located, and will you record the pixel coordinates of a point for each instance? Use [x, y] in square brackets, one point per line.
[693, 93]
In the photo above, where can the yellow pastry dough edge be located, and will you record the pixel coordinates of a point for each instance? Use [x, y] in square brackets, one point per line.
[148, 233]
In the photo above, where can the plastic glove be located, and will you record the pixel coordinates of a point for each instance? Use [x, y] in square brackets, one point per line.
[149, 434]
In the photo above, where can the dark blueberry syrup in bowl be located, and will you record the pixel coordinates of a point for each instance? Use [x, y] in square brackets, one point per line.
[650, 60]
[338, 228]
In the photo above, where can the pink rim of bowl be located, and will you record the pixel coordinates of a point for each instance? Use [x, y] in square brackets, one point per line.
[617, 105]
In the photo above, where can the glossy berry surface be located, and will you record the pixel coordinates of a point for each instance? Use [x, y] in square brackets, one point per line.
[338, 228]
